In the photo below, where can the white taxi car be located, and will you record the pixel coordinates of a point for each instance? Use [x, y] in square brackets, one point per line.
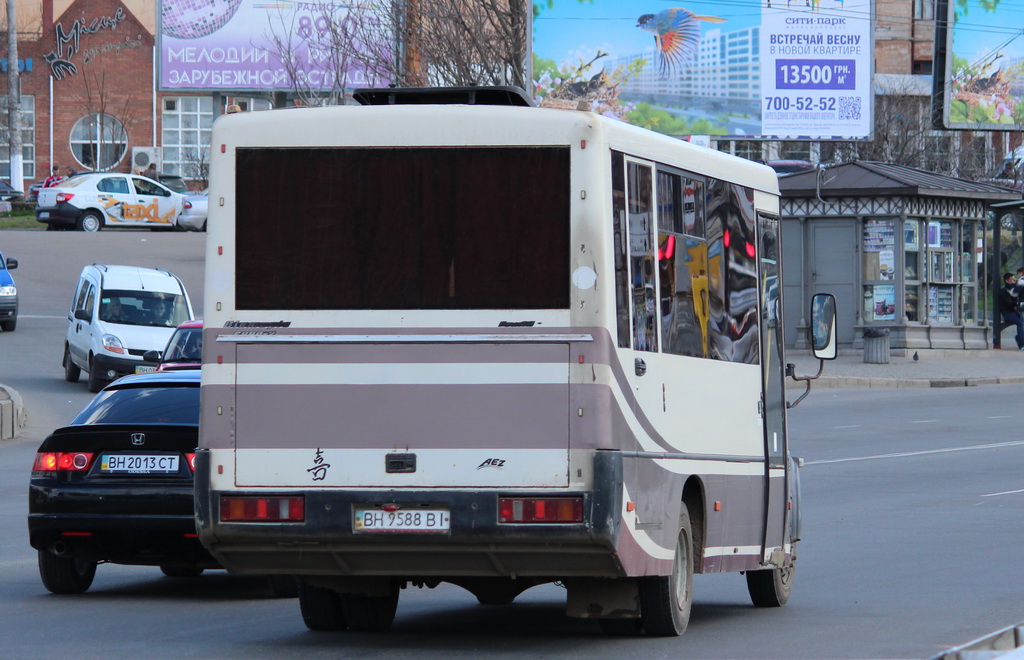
[90, 202]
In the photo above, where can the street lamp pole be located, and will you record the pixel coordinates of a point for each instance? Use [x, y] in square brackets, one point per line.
[17, 166]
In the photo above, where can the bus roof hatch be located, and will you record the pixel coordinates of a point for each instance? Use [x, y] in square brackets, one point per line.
[443, 95]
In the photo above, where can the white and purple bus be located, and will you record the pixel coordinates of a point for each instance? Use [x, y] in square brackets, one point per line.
[453, 338]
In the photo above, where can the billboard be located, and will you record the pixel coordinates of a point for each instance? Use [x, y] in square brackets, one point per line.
[276, 45]
[982, 83]
[784, 69]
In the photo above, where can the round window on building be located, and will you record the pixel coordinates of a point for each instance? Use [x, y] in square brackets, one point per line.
[99, 141]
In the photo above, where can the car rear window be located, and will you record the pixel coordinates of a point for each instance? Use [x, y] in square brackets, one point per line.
[73, 182]
[167, 404]
[175, 183]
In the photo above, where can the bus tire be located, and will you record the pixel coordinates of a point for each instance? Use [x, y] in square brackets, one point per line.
[665, 600]
[65, 575]
[370, 613]
[321, 608]
[771, 587]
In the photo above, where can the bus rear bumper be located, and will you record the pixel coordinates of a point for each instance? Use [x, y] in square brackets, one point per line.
[476, 544]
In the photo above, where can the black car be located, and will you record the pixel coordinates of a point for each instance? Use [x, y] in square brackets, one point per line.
[9, 194]
[115, 486]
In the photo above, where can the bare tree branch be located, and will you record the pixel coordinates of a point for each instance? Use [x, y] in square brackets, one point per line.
[445, 43]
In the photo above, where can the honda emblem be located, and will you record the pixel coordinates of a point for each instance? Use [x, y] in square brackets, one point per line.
[138, 438]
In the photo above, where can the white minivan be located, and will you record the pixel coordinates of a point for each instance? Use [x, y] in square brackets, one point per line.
[117, 314]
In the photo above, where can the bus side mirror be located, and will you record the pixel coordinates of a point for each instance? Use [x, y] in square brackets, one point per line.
[823, 326]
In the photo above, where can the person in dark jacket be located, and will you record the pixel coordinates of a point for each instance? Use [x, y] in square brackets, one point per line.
[1008, 307]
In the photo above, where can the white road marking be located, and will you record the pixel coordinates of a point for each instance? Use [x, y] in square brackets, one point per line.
[917, 453]
[1005, 492]
[924, 421]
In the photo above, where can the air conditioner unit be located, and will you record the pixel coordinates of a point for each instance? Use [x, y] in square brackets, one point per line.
[142, 157]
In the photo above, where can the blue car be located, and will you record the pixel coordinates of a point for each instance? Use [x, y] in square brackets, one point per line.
[8, 295]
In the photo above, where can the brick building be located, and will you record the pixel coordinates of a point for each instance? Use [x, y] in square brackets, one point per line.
[88, 93]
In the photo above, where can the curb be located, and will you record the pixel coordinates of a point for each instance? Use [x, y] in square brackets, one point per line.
[12, 413]
[850, 382]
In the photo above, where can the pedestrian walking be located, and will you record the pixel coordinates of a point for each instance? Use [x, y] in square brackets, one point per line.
[54, 178]
[1008, 302]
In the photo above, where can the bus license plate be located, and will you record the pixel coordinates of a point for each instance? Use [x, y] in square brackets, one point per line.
[138, 464]
[402, 520]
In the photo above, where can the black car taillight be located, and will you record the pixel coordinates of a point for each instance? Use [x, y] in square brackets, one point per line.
[56, 461]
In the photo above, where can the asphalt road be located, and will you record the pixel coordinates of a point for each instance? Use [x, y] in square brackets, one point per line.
[913, 501]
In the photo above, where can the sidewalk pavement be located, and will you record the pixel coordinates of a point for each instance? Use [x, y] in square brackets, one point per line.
[932, 368]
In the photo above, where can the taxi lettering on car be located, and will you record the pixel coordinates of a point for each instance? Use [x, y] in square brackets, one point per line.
[90, 202]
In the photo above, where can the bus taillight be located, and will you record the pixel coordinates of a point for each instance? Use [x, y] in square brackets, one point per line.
[262, 509]
[540, 509]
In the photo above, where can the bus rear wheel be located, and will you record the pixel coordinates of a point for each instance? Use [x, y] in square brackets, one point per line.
[771, 587]
[665, 600]
[321, 608]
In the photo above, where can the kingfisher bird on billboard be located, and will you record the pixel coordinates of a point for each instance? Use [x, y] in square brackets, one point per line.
[746, 69]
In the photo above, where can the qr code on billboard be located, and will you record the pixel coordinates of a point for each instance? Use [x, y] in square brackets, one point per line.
[849, 107]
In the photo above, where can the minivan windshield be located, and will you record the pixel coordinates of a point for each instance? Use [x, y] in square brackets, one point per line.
[150, 308]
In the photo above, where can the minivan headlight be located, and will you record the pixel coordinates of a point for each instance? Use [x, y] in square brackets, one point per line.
[9, 290]
[113, 344]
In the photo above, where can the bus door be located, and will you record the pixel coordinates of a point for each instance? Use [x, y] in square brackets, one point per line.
[773, 396]
[642, 268]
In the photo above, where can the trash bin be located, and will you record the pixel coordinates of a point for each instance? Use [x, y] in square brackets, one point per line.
[876, 345]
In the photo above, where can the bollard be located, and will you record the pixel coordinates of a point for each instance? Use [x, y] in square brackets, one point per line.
[7, 421]
[876, 345]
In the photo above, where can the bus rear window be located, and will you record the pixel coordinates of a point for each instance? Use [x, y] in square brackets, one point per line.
[405, 228]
